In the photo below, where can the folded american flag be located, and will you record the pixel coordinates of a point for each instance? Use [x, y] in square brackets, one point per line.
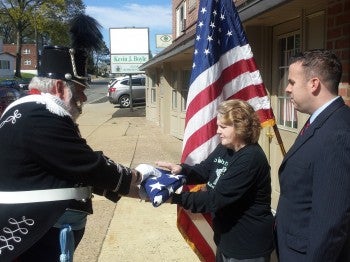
[159, 189]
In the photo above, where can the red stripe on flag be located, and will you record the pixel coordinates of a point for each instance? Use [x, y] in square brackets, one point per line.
[250, 92]
[189, 231]
[264, 119]
[203, 134]
[215, 89]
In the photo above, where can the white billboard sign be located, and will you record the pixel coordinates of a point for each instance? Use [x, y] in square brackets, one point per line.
[129, 49]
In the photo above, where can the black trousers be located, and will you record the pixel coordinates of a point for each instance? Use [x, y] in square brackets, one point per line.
[48, 247]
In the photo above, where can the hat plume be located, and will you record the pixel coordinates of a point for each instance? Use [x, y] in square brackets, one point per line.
[85, 33]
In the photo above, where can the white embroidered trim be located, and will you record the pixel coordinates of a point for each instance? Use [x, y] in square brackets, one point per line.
[14, 232]
[53, 103]
[11, 119]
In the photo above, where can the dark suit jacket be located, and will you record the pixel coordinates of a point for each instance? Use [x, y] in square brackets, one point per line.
[313, 214]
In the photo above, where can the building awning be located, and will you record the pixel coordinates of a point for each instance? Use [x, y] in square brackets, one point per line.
[250, 9]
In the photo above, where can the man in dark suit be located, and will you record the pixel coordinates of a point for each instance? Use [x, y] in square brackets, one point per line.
[313, 214]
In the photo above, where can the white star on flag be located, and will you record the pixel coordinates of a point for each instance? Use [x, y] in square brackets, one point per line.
[156, 186]
[171, 190]
[174, 176]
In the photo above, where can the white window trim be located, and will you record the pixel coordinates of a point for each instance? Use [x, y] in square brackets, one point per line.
[181, 13]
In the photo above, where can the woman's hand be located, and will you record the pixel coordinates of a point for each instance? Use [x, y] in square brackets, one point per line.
[174, 168]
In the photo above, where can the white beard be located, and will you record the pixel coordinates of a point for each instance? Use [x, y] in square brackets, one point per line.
[73, 107]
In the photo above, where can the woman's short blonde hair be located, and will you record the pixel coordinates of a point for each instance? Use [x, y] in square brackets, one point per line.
[241, 115]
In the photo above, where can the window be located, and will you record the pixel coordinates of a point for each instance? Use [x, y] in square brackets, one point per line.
[153, 95]
[186, 75]
[4, 64]
[174, 90]
[27, 62]
[26, 51]
[180, 84]
[153, 79]
[181, 19]
[125, 82]
[138, 81]
[174, 99]
[288, 46]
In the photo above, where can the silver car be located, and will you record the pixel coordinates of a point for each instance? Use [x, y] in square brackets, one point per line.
[119, 90]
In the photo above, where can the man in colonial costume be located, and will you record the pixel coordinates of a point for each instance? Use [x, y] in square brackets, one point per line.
[47, 170]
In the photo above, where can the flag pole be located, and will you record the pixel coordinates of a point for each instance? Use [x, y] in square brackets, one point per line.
[279, 139]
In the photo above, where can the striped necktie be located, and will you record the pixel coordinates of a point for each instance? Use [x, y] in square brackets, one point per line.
[307, 124]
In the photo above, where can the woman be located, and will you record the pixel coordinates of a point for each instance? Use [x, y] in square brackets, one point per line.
[238, 187]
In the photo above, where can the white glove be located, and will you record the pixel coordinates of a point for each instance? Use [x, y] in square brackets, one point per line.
[147, 171]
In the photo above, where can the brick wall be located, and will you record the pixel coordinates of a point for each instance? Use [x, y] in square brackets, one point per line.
[30, 55]
[176, 4]
[191, 14]
[338, 39]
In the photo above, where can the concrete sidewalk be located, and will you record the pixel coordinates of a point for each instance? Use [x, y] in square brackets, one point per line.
[130, 230]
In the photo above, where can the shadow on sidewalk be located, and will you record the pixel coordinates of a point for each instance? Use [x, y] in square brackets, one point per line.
[138, 111]
[99, 101]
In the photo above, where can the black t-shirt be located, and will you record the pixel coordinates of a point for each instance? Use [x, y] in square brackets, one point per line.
[239, 197]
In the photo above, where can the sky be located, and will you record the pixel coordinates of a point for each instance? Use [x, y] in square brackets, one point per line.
[154, 14]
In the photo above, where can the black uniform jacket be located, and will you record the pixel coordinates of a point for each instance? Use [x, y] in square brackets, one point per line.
[41, 148]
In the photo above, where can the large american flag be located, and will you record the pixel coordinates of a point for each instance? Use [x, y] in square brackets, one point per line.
[223, 68]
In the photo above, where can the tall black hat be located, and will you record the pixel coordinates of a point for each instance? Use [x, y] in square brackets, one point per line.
[70, 63]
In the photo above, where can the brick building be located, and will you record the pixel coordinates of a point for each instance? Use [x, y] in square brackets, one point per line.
[275, 29]
[29, 56]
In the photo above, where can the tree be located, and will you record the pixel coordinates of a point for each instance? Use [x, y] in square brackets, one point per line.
[97, 57]
[31, 18]
[6, 29]
[56, 22]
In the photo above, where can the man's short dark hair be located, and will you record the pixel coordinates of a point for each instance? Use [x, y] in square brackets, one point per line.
[322, 64]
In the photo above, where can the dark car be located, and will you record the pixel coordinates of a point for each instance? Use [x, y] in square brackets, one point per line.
[7, 96]
[12, 83]
[21, 84]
